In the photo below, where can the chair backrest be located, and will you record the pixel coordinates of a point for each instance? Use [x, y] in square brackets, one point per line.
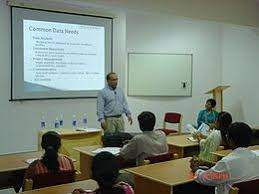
[248, 187]
[174, 118]
[233, 190]
[159, 158]
[51, 179]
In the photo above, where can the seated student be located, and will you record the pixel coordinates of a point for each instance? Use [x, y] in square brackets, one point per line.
[51, 161]
[240, 165]
[216, 138]
[105, 169]
[147, 144]
[208, 115]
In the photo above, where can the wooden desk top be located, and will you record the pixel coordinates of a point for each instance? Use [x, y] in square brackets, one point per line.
[172, 173]
[65, 188]
[67, 132]
[223, 153]
[11, 162]
[88, 149]
[181, 141]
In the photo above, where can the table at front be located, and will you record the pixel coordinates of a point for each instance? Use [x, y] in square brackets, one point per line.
[180, 144]
[65, 188]
[71, 138]
[160, 178]
[222, 153]
[12, 168]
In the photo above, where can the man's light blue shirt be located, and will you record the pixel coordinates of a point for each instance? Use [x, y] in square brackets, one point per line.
[111, 102]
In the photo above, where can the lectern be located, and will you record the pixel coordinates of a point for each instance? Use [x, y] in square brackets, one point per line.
[218, 96]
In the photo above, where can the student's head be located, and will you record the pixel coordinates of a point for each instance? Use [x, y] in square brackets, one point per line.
[239, 135]
[105, 169]
[146, 121]
[112, 80]
[210, 104]
[223, 121]
[51, 143]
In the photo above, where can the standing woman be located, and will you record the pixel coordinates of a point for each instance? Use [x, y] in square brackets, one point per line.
[208, 115]
[51, 162]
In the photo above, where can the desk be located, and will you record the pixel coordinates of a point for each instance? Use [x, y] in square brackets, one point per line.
[65, 188]
[161, 177]
[180, 144]
[222, 153]
[12, 168]
[86, 157]
[71, 138]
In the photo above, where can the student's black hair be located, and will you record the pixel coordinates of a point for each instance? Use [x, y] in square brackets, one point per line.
[224, 119]
[51, 143]
[109, 75]
[212, 102]
[105, 169]
[240, 134]
[146, 121]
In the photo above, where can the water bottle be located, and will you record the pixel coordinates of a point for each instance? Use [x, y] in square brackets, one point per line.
[84, 120]
[56, 123]
[42, 122]
[74, 121]
[61, 121]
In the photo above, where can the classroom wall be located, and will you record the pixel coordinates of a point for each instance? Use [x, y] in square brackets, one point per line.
[157, 33]
[240, 62]
[241, 12]
[137, 31]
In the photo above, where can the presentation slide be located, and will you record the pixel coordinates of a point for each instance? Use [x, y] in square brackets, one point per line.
[63, 56]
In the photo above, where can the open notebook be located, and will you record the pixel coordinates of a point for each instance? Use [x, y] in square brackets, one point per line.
[204, 129]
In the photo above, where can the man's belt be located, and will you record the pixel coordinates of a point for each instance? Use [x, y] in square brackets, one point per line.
[113, 116]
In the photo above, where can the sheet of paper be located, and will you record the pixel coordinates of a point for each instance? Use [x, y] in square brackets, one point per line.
[30, 160]
[204, 129]
[112, 150]
[192, 139]
[89, 130]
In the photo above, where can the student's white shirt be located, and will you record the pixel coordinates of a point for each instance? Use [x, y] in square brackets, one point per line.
[240, 165]
[147, 144]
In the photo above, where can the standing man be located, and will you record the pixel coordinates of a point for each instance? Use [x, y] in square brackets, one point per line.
[111, 104]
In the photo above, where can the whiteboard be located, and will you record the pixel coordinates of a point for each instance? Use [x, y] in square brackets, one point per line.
[155, 74]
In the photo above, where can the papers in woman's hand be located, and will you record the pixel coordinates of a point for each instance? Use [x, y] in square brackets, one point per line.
[190, 129]
[112, 150]
[204, 129]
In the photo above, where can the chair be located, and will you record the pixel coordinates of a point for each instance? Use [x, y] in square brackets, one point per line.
[50, 179]
[27, 185]
[233, 190]
[160, 158]
[247, 187]
[174, 118]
